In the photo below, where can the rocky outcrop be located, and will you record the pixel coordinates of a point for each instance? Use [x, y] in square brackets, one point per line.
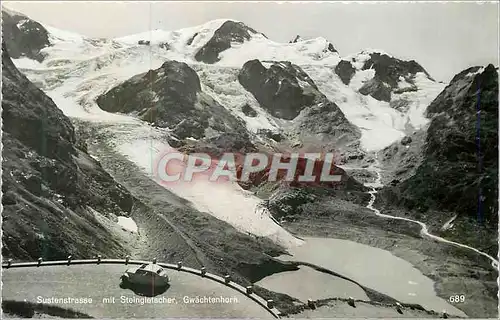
[50, 184]
[345, 71]
[229, 32]
[171, 96]
[327, 123]
[290, 200]
[248, 110]
[23, 37]
[402, 158]
[331, 48]
[298, 38]
[389, 71]
[377, 89]
[287, 92]
[283, 89]
[459, 170]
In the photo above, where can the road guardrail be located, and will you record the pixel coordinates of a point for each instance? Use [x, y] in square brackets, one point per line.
[269, 305]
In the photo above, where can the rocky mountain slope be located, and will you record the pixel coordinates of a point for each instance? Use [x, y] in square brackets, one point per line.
[172, 97]
[23, 36]
[229, 32]
[390, 75]
[50, 184]
[58, 200]
[457, 169]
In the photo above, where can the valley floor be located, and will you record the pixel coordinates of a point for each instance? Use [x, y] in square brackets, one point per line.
[454, 270]
[175, 223]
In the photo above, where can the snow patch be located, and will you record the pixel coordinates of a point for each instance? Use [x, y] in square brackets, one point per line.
[26, 63]
[448, 224]
[128, 224]
[360, 77]
[471, 74]
[21, 22]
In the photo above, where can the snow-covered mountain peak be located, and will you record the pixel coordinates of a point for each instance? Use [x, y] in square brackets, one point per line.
[156, 36]
[370, 51]
[383, 96]
[57, 35]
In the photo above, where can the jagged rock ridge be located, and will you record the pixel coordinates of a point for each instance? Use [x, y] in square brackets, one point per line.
[459, 170]
[388, 73]
[230, 31]
[287, 92]
[23, 37]
[283, 89]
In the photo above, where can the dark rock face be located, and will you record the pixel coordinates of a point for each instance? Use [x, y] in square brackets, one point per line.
[276, 136]
[328, 120]
[377, 89]
[174, 85]
[402, 158]
[249, 111]
[459, 172]
[156, 95]
[23, 36]
[388, 70]
[164, 45]
[345, 71]
[331, 48]
[230, 31]
[296, 39]
[283, 90]
[49, 181]
[190, 40]
[287, 92]
[406, 140]
[291, 200]
[171, 97]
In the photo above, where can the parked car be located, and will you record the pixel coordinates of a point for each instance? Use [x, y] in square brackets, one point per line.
[146, 274]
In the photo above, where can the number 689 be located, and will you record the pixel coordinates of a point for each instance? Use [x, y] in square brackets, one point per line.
[457, 298]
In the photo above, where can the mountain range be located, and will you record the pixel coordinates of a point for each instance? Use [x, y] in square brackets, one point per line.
[225, 87]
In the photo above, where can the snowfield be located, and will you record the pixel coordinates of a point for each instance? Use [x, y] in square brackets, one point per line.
[127, 224]
[78, 69]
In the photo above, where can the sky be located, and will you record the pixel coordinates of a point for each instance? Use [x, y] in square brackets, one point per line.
[445, 38]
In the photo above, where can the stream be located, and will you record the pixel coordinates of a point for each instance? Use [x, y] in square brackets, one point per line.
[424, 230]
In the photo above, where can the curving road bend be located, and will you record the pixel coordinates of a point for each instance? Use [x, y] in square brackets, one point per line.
[424, 230]
[99, 282]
